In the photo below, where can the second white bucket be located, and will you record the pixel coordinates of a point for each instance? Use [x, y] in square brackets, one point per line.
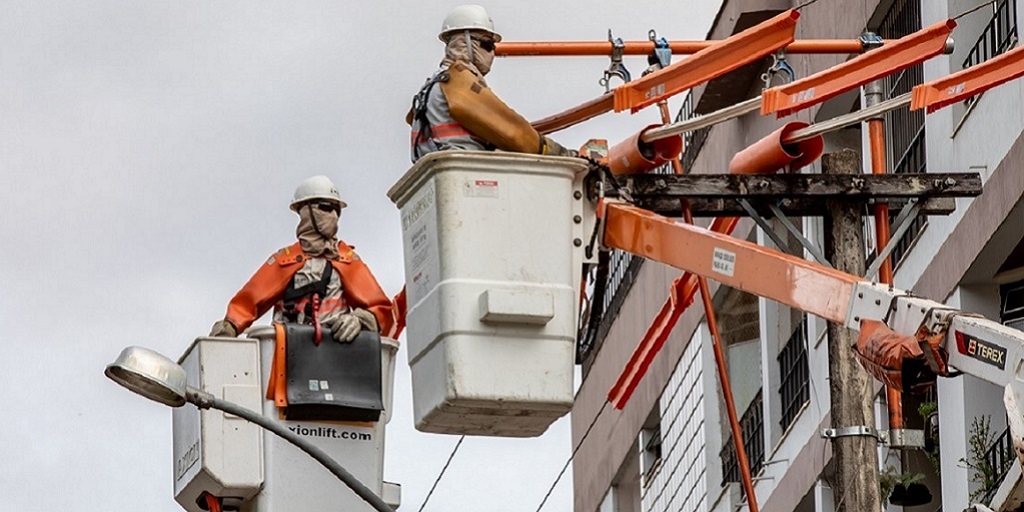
[493, 252]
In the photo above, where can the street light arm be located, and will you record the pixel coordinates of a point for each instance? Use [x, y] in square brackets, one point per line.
[204, 400]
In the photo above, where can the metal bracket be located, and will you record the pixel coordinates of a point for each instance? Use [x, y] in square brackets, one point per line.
[811, 248]
[903, 438]
[662, 54]
[895, 438]
[793, 230]
[779, 67]
[870, 41]
[858, 431]
[903, 222]
[767, 228]
[616, 68]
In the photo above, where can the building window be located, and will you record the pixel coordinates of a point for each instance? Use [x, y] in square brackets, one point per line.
[752, 427]
[650, 447]
[1011, 305]
[794, 374]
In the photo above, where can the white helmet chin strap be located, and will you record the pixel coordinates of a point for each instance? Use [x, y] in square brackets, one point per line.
[469, 46]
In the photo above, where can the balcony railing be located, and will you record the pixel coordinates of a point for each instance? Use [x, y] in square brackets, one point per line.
[999, 35]
[752, 426]
[794, 375]
[999, 456]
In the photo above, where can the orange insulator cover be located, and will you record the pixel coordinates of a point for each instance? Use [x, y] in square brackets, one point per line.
[634, 156]
[900, 361]
[770, 154]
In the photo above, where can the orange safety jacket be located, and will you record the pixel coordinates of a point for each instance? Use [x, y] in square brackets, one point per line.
[267, 285]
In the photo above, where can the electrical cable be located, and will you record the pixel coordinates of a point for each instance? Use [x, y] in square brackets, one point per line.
[969, 11]
[574, 450]
[805, 4]
[441, 474]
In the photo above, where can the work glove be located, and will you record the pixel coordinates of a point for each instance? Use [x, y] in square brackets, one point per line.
[346, 327]
[223, 328]
[552, 148]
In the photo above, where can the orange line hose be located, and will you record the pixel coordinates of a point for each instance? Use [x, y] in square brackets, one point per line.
[213, 503]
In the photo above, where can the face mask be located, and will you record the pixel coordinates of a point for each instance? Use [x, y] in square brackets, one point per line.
[316, 230]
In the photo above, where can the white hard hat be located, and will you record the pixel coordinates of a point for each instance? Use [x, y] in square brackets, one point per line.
[317, 187]
[467, 17]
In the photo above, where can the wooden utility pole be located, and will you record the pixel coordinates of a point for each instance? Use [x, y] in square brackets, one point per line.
[855, 484]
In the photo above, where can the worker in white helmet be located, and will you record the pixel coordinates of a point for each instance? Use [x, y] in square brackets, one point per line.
[456, 110]
[318, 280]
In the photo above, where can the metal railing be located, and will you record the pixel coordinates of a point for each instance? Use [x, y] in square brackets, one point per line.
[999, 35]
[794, 374]
[999, 456]
[752, 425]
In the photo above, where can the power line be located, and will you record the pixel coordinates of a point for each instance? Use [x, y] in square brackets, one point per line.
[965, 13]
[441, 474]
[576, 449]
[805, 4]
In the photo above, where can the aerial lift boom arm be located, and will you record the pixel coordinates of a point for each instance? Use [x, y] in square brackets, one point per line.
[947, 337]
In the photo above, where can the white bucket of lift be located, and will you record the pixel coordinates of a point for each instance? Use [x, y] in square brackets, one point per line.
[493, 253]
[254, 470]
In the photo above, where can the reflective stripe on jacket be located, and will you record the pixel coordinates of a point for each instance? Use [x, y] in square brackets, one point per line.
[266, 287]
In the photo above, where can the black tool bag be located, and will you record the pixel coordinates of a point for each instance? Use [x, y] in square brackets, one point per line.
[332, 381]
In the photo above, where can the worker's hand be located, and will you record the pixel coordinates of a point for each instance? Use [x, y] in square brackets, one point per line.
[223, 328]
[367, 319]
[345, 328]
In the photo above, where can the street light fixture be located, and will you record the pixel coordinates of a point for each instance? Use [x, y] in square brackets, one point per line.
[157, 378]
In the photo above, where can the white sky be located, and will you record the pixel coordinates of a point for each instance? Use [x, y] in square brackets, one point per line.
[148, 151]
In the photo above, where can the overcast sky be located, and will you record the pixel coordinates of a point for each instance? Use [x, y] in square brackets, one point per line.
[148, 151]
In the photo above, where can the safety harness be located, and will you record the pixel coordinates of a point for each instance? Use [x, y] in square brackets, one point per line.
[419, 114]
[315, 290]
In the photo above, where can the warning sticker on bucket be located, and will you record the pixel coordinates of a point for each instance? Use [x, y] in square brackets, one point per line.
[723, 262]
[481, 188]
[419, 232]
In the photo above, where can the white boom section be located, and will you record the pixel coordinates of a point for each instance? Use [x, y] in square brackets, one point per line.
[976, 346]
